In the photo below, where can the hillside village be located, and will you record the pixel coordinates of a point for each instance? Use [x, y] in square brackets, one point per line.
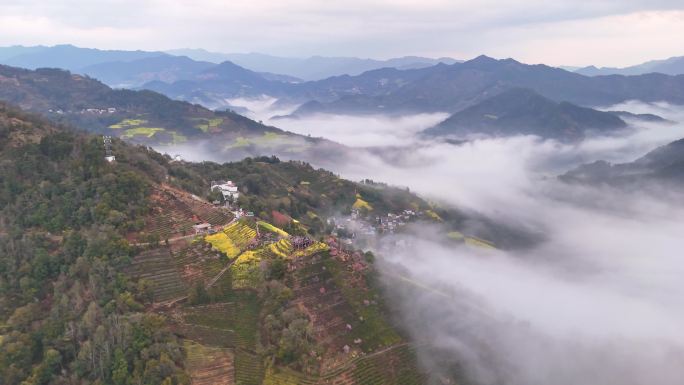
[217, 285]
[239, 281]
[326, 284]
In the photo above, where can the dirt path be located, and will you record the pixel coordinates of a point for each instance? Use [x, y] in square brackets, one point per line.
[171, 240]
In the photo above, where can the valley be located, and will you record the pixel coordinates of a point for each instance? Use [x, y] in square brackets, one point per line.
[353, 207]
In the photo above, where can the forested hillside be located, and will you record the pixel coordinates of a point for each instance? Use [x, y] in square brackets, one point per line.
[145, 117]
[101, 282]
[67, 313]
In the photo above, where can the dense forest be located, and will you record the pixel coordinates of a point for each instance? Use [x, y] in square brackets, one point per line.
[67, 314]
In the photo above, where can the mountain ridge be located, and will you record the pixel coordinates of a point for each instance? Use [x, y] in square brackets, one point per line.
[671, 66]
[521, 111]
[144, 117]
[451, 88]
[664, 164]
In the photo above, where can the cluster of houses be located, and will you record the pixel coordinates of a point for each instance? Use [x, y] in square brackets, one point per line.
[356, 226]
[93, 111]
[391, 222]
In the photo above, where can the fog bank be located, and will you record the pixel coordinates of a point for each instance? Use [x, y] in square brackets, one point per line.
[599, 301]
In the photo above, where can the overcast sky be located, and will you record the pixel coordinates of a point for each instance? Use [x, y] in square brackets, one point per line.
[556, 32]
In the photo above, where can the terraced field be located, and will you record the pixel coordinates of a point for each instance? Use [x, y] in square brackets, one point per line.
[269, 227]
[175, 213]
[228, 325]
[206, 335]
[374, 331]
[171, 216]
[197, 262]
[246, 270]
[157, 266]
[330, 313]
[235, 322]
[396, 365]
[248, 368]
[209, 366]
[233, 239]
[481, 243]
[209, 213]
[358, 345]
[317, 247]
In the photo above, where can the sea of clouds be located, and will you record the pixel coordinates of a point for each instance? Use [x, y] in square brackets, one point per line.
[599, 301]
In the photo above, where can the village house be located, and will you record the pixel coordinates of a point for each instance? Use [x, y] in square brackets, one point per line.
[202, 228]
[228, 189]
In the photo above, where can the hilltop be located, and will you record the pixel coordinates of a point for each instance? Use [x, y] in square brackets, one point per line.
[524, 112]
[662, 165]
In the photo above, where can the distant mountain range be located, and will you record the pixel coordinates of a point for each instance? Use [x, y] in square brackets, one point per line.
[311, 68]
[144, 117]
[664, 164]
[484, 95]
[520, 111]
[227, 80]
[451, 88]
[440, 88]
[671, 66]
[134, 68]
[130, 74]
[66, 56]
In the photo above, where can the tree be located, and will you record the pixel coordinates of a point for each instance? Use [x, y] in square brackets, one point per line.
[198, 294]
[119, 368]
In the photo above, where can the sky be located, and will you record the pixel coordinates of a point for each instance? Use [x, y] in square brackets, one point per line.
[555, 32]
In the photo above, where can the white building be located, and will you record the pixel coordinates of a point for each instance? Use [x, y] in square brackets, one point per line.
[227, 189]
[202, 228]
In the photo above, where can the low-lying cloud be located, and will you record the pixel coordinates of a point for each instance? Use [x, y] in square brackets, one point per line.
[363, 131]
[599, 301]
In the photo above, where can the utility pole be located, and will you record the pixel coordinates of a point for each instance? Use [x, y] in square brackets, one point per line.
[107, 140]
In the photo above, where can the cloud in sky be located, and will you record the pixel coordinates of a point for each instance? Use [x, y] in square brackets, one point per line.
[607, 32]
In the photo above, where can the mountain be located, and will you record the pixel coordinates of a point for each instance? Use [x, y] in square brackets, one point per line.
[65, 215]
[16, 50]
[216, 85]
[129, 74]
[66, 56]
[664, 164]
[450, 88]
[77, 59]
[143, 117]
[213, 86]
[671, 66]
[520, 111]
[100, 261]
[311, 68]
[652, 118]
[199, 54]
[19, 129]
[170, 69]
[120, 69]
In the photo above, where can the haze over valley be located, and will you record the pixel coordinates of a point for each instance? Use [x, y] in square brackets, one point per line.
[388, 195]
